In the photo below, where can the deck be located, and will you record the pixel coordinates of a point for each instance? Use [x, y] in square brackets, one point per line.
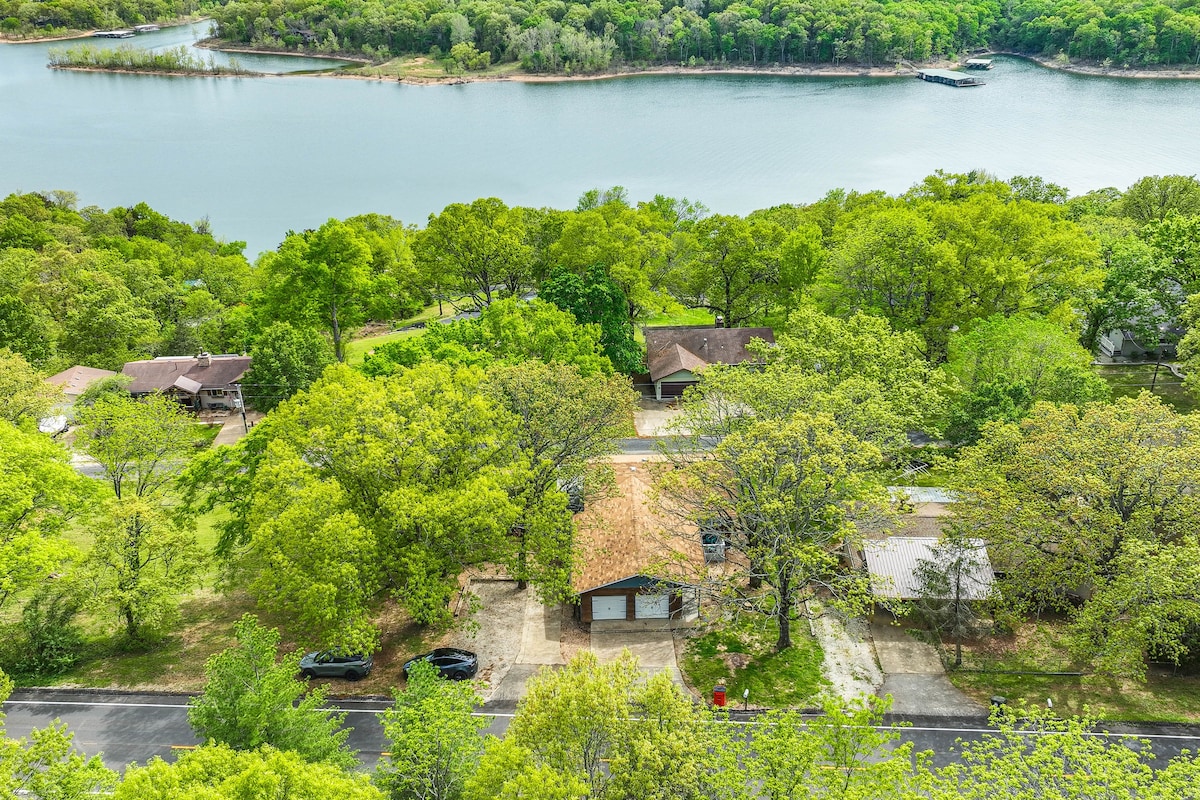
[948, 77]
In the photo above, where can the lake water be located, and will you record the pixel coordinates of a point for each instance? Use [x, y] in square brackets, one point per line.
[259, 156]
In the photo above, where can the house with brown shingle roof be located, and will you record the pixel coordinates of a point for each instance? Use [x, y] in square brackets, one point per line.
[76, 380]
[199, 382]
[675, 355]
[635, 563]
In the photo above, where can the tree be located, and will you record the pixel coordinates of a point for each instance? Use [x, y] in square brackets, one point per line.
[597, 299]
[1017, 353]
[1066, 761]
[311, 558]
[250, 700]
[570, 718]
[218, 772]
[869, 378]
[476, 248]
[46, 765]
[284, 360]
[844, 753]
[565, 421]
[434, 737]
[1154, 197]
[949, 587]
[39, 495]
[733, 270]
[1067, 498]
[320, 278]
[507, 771]
[423, 462]
[787, 495]
[508, 331]
[143, 557]
[24, 394]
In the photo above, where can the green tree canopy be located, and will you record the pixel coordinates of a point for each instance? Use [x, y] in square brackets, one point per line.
[251, 699]
[284, 360]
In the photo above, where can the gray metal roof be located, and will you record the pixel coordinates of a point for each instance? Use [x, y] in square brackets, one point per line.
[923, 494]
[892, 563]
[948, 74]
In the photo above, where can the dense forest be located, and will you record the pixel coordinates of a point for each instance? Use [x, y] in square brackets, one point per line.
[556, 35]
[588, 36]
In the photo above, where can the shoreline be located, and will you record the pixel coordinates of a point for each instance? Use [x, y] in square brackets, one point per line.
[168, 73]
[1100, 71]
[88, 34]
[216, 45]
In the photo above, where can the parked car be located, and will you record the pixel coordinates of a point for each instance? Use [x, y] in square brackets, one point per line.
[335, 664]
[452, 663]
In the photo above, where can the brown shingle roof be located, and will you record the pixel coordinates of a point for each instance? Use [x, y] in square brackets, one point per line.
[670, 349]
[77, 379]
[626, 535]
[161, 374]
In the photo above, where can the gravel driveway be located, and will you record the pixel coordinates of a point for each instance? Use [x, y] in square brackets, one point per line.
[494, 632]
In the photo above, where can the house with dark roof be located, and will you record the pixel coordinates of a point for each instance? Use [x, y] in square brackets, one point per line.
[676, 355]
[199, 382]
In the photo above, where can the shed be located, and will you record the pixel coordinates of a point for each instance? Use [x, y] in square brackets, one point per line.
[675, 355]
[632, 564]
[892, 563]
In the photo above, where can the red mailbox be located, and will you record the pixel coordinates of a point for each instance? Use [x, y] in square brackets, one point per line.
[719, 694]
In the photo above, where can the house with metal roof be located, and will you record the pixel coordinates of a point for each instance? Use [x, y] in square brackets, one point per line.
[893, 564]
[675, 355]
[200, 382]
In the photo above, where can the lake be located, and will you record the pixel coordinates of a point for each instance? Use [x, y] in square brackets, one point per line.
[261, 155]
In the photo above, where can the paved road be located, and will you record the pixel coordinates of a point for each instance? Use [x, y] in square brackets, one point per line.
[133, 727]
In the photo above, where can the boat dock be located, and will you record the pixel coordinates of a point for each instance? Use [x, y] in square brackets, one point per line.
[978, 63]
[146, 28]
[123, 34]
[948, 77]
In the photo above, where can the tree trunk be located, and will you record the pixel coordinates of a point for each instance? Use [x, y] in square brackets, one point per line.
[338, 353]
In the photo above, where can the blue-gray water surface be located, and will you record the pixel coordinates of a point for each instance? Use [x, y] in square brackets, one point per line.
[261, 155]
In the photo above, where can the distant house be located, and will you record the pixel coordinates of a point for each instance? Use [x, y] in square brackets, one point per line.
[73, 382]
[76, 380]
[199, 382]
[631, 566]
[676, 355]
[1122, 344]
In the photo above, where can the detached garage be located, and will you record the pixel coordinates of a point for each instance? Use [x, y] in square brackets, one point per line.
[638, 597]
[631, 566]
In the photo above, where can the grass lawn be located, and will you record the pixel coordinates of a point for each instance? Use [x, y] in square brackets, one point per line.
[1041, 646]
[686, 316]
[357, 349]
[1128, 380]
[425, 68]
[742, 656]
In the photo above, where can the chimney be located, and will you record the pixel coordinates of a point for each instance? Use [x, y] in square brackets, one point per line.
[203, 359]
[720, 322]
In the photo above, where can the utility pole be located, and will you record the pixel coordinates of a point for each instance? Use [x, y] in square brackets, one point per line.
[241, 404]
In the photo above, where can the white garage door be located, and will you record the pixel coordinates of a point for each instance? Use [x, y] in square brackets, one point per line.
[608, 607]
[652, 606]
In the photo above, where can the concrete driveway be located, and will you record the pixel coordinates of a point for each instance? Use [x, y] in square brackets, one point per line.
[653, 648]
[914, 676]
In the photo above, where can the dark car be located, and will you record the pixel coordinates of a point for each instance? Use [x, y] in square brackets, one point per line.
[335, 664]
[452, 663]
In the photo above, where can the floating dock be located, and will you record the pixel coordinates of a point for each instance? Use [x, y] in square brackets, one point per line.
[146, 28]
[978, 63]
[948, 77]
[113, 34]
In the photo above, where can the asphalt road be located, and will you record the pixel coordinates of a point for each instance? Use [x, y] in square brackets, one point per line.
[128, 728]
